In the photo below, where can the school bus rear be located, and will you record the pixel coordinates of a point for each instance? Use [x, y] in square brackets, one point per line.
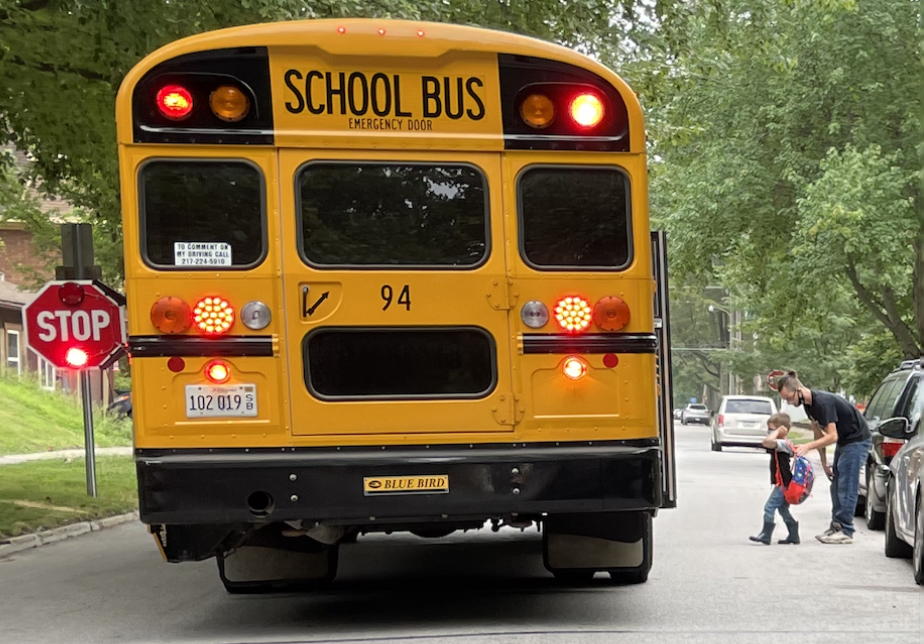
[388, 276]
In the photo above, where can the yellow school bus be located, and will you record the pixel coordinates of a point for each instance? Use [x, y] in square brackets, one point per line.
[391, 276]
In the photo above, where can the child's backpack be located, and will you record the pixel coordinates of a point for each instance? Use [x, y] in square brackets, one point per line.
[803, 477]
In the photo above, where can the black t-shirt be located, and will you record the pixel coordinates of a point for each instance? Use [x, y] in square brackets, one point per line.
[830, 408]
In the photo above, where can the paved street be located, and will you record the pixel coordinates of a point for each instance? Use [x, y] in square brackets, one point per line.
[708, 584]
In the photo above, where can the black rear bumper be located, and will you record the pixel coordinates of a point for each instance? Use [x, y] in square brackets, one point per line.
[215, 486]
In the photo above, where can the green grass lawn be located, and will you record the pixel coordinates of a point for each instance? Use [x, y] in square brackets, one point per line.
[41, 495]
[35, 420]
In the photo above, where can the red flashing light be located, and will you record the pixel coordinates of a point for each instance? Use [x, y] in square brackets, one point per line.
[71, 294]
[381, 31]
[175, 102]
[341, 30]
[587, 110]
[213, 315]
[218, 372]
[420, 33]
[573, 314]
[76, 358]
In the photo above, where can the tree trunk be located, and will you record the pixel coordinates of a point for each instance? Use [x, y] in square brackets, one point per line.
[886, 311]
[917, 285]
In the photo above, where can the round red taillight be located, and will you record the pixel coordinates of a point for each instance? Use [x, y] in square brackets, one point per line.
[574, 368]
[218, 371]
[76, 358]
[175, 102]
[213, 315]
[573, 314]
[587, 110]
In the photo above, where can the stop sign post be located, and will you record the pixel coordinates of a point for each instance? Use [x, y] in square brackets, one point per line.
[78, 325]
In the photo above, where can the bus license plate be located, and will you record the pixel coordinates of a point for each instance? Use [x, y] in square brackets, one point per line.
[221, 401]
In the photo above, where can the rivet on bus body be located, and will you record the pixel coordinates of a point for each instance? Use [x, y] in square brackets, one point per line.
[294, 498]
[516, 490]
[515, 471]
[293, 477]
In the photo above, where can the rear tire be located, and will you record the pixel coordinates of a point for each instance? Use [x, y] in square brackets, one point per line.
[895, 548]
[874, 520]
[716, 447]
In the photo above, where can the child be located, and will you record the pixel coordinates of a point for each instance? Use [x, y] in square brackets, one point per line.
[780, 452]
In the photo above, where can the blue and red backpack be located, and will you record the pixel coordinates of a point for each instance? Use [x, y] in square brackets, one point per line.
[803, 477]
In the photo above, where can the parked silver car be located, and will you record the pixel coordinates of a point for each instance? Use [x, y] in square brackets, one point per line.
[904, 522]
[741, 421]
[695, 413]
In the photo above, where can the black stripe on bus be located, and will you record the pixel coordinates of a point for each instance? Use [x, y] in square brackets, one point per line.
[229, 346]
[543, 343]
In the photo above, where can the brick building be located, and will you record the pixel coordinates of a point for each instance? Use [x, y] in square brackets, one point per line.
[22, 264]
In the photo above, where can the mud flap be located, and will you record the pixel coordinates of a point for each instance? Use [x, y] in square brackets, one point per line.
[270, 562]
[619, 543]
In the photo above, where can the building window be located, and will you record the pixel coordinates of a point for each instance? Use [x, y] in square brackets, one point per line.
[13, 362]
[48, 375]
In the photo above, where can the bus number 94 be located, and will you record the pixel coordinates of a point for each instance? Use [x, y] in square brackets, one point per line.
[404, 297]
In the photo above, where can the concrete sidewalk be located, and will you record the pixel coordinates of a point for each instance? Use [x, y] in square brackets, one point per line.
[64, 454]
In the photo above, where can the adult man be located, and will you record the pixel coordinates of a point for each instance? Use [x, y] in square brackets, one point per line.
[835, 421]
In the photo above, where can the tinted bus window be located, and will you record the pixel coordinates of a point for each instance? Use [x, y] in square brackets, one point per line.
[393, 215]
[400, 363]
[202, 214]
[575, 218]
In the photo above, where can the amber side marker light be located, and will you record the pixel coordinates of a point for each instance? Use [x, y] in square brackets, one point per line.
[611, 313]
[171, 315]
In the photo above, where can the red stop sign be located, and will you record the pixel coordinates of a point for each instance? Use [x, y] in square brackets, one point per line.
[75, 324]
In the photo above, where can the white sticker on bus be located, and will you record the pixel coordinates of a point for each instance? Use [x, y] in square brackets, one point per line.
[201, 254]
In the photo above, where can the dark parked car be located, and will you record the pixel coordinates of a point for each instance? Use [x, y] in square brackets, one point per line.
[904, 523]
[894, 398]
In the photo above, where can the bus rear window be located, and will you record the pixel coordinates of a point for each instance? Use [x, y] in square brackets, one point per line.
[377, 214]
[575, 218]
[389, 363]
[202, 214]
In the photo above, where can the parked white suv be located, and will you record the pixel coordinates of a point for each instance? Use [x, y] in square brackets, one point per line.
[741, 421]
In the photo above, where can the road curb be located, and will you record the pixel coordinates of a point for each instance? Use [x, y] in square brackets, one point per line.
[14, 545]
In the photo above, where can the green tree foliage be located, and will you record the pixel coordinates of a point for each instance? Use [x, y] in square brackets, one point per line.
[61, 63]
[787, 165]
